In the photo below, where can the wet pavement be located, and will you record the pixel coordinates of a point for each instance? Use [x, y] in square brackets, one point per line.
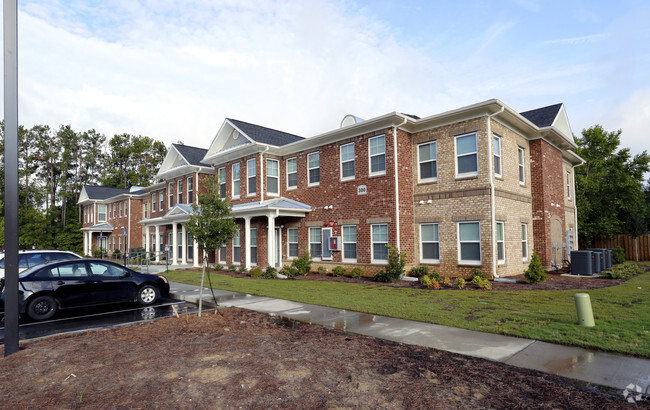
[606, 369]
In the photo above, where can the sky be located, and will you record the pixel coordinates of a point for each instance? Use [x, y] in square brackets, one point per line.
[173, 70]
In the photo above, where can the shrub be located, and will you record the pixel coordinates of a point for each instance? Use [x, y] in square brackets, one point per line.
[289, 271]
[460, 282]
[97, 253]
[446, 281]
[484, 284]
[322, 270]
[302, 264]
[425, 280]
[256, 273]
[623, 271]
[270, 273]
[218, 267]
[242, 269]
[618, 256]
[434, 275]
[476, 273]
[395, 268]
[535, 273]
[434, 284]
[338, 271]
[356, 273]
[419, 271]
[232, 268]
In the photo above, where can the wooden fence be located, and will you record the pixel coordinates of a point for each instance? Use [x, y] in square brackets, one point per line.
[631, 246]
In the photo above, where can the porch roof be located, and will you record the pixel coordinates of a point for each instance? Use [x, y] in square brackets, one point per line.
[103, 227]
[281, 206]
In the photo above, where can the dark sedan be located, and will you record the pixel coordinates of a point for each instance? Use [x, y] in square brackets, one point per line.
[46, 288]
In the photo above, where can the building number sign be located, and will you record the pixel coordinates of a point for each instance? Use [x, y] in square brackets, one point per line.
[362, 190]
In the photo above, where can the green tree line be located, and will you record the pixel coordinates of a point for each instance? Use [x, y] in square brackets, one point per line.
[54, 165]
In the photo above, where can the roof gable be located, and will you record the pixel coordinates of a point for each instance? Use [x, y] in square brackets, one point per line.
[265, 135]
[542, 117]
[100, 192]
[182, 155]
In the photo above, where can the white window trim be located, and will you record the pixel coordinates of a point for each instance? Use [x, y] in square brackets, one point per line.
[434, 179]
[154, 199]
[465, 174]
[289, 188]
[372, 245]
[248, 178]
[500, 173]
[225, 181]
[480, 249]
[238, 180]
[277, 177]
[525, 241]
[190, 193]
[320, 242]
[354, 160]
[99, 213]
[377, 173]
[289, 243]
[309, 183]
[179, 188]
[343, 258]
[503, 241]
[170, 195]
[120, 206]
[422, 259]
[568, 185]
[522, 165]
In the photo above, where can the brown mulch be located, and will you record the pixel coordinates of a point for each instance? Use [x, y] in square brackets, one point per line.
[251, 360]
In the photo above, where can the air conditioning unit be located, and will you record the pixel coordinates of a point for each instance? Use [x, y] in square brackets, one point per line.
[581, 263]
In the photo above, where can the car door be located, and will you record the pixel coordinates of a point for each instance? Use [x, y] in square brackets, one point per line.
[114, 282]
[72, 285]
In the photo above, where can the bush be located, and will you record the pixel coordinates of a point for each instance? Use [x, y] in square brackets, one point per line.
[322, 270]
[395, 268]
[356, 273]
[289, 271]
[97, 253]
[535, 273]
[270, 273]
[623, 271]
[484, 284]
[232, 268]
[425, 280]
[419, 271]
[476, 273]
[475, 280]
[338, 271]
[256, 273]
[434, 284]
[618, 256]
[218, 267]
[446, 281]
[434, 275]
[302, 264]
[460, 283]
[242, 269]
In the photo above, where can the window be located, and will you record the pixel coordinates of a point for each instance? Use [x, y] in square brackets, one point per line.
[222, 254]
[313, 167]
[250, 171]
[377, 152]
[180, 191]
[429, 243]
[496, 146]
[292, 239]
[145, 208]
[379, 242]
[171, 194]
[126, 208]
[469, 243]
[161, 197]
[314, 243]
[114, 210]
[524, 241]
[222, 182]
[522, 170]
[350, 243]
[190, 190]
[347, 161]
[253, 249]
[466, 156]
[235, 180]
[120, 209]
[101, 213]
[292, 173]
[501, 245]
[154, 200]
[272, 177]
[190, 246]
[179, 238]
[236, 247]
[568, 185]
[428, 162]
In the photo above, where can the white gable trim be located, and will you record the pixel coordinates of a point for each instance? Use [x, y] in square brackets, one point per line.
[225, 135]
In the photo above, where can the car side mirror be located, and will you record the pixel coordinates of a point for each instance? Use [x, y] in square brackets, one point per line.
[125, 275]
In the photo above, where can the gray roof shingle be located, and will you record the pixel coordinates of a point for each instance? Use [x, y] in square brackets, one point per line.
[542, 117]
[265, 135]
[103, 192]
[193, 155]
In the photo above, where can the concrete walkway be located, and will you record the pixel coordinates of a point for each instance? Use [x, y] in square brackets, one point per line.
[607, 369]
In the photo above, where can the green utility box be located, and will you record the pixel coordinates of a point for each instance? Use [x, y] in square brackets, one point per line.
[583, 307]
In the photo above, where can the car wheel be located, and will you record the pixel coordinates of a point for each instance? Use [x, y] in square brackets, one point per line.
[42, 307]
[147, 295]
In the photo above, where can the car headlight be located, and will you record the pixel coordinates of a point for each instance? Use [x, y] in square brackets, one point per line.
[163, 278]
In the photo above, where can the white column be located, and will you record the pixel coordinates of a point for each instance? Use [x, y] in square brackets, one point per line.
[147, 241]
[270, 241]
[247, 242]
[183, 245]
[195, 256]
[157, 242]
[174, 244]
[85, 243]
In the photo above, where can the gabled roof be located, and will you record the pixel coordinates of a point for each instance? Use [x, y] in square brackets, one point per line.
[103, 192]
[181, 160]
[265, 135]
[543, 117]
[192, 155]
[102, 227]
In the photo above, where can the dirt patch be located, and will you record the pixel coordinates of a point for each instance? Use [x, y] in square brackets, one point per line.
[249, 359]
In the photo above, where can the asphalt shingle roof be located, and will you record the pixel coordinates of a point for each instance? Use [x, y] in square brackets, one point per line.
[542, 117]
[103, 192]
[265, 135]
[193, 155]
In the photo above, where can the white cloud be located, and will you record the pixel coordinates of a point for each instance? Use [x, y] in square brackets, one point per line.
[633, 117]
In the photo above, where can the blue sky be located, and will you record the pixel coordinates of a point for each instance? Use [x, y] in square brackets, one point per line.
[173, 70]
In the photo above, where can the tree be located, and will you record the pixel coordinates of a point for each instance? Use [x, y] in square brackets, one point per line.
[211, 224]
[609, 186]
[132, 161]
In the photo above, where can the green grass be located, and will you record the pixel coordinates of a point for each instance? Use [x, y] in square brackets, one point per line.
[622, 313]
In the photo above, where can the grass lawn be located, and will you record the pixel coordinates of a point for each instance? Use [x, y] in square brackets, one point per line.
[622, 313]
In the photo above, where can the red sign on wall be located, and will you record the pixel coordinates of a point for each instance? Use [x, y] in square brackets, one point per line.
[331, 223]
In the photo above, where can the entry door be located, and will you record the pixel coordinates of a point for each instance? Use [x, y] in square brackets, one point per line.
[325, 244]
[278, 248]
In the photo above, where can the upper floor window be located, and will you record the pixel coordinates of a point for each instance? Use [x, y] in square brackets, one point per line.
[568, 184]
[180, 191]
[347, 161]
[154, 200]
[313, 168]
[272, 177]
[235, 180]
[469, 243]
[377, 152]
[190, 190]
[171, 194]
[161, 198]
[126, 202]
[114, 210]
[145, 209]
[250, 171]
[120, 209]
[496, 146]
[522, 169]
[292, 173]
[466, 156]
[101, 213]
[428, 162]
[221, 174]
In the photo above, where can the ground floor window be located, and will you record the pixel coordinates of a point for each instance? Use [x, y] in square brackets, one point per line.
[161, 243]
[469, 242]
[350, 243]
[524, 241]
[222, 254]
[179, 237]
[236, 247]
[253, 249]
[429, 243]
[190, 246]
[379, 242]
[501, 245]
[292, 239]
[315, 247]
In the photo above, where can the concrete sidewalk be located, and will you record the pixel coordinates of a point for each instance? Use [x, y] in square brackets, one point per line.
[607, 369]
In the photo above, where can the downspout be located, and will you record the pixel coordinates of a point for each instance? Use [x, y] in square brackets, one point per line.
[262, 174]
[492, 196]
[397, 224]
[128, 237]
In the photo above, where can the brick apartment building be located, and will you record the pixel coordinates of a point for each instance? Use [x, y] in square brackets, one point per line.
[476, 187]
